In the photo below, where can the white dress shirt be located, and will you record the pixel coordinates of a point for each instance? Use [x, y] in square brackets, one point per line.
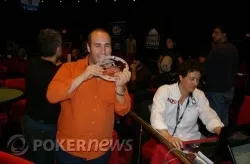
[164, 112]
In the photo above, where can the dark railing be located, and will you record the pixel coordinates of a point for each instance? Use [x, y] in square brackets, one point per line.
[153, 132]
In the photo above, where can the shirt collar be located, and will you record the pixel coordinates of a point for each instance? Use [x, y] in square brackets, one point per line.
[87, 60]
[178, 94]
[177, 90]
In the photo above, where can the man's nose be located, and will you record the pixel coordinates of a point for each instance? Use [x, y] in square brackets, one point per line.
[196, 82]
[103, 50]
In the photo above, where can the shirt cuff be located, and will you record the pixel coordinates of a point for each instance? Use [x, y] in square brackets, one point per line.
[214, 124]
[159, 126]
[123, 109]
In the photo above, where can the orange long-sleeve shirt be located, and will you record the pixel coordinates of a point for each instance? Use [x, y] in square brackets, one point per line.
[87, 114]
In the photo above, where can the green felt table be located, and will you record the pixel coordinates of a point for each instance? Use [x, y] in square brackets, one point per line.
[8, 94]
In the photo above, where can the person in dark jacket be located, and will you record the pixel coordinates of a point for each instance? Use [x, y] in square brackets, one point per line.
[221, 67]
[40, 120]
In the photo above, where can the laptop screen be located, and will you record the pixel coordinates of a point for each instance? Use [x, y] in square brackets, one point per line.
[241, 153]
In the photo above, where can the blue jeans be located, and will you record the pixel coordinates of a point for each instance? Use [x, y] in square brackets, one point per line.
[62, 157]
[221, 102]
[35, 130]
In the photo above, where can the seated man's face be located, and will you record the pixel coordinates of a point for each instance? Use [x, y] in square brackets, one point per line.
[75, 53]
[191, 81]
[165, 68]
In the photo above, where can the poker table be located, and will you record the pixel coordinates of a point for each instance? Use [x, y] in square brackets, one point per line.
[8, 95]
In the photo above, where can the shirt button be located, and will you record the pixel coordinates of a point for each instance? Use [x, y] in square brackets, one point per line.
[94, 109]
[93, 122]
[90, 134]
[95, 97]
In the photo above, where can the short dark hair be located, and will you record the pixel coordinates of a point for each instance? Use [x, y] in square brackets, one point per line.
[48, 41]
[222, 28]
[95, 30]
[190, 66]
[171, 38]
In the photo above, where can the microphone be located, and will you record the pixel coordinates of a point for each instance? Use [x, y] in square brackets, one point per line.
[193, 101]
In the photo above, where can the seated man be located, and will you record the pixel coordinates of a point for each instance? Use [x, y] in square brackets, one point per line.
[140, 76]
[166, 64]
[177, 107]
[165, 75]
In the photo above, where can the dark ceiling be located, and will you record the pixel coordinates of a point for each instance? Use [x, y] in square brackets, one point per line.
[190, 22]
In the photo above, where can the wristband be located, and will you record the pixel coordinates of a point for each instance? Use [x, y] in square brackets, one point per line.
[120, 94]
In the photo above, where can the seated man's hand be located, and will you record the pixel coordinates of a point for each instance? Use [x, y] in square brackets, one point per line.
[217, 130]
[176, 142]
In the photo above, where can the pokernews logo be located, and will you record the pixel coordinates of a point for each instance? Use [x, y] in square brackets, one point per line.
[18, 145]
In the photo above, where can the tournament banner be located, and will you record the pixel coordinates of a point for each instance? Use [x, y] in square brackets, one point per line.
[153, 39]
[118, 33]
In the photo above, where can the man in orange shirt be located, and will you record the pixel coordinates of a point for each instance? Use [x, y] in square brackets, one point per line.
[88, 103]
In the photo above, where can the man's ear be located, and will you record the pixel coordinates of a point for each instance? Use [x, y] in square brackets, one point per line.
[180, 78]
[88, 47]
[59, 51]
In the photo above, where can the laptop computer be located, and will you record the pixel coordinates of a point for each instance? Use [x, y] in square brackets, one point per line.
[236, 146]
[231, 146]
[240, 151]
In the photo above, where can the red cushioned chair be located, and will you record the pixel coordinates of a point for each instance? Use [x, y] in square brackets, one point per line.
[114, 157]
[18, 83]
[244, 68]
[3, 73]
[243, 116]
[241, 80]
[3, 68]
[22, 64]
[17, 110]
[2, 82]
[12, 65]
[125, 156]
[148, 149]
[6, 158]
[119, 156]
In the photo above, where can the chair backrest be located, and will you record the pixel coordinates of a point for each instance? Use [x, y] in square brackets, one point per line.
[240, 81]
[22, 64]
[12, 65]
[3, 75]
[18, 83]
[243, 116]
[3, 68]
[15, 65]
[6, 158]
[244, 68]
[3, 72]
